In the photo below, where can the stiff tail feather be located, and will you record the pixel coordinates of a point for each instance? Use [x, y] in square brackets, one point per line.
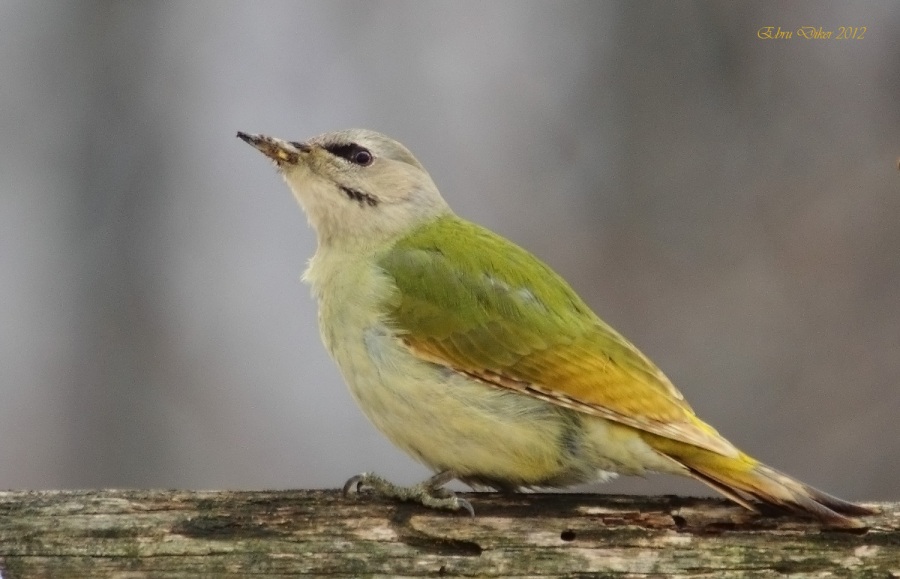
[742, 478]
[767, 485]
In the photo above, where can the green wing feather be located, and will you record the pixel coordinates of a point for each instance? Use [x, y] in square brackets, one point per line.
[475, 302]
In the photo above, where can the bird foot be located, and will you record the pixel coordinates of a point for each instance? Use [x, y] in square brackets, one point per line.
[428, 493]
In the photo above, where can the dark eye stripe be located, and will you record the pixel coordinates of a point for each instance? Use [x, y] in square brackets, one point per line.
[350, 152]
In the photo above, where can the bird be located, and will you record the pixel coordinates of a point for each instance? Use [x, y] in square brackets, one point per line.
[478, 360]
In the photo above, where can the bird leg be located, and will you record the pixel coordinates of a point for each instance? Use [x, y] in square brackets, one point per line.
[428, 493]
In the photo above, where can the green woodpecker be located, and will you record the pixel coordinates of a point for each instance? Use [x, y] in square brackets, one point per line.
[477, 359]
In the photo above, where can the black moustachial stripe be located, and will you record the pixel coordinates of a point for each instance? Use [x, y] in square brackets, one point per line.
[360, 197]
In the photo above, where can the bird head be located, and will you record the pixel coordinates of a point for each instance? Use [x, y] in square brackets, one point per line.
[357, 186]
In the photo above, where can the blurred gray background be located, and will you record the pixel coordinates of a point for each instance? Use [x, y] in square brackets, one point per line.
[731, 204]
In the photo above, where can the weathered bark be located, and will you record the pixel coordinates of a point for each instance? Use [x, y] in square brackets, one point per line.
[320, 533]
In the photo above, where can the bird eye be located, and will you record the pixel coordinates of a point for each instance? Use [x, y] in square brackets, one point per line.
[353, 153]
[361, 157]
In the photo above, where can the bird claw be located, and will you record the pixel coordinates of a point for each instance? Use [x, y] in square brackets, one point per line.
[428, 493]
[353, 484]
[464, 504]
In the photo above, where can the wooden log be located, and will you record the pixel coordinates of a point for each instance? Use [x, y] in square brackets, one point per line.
[168, 534]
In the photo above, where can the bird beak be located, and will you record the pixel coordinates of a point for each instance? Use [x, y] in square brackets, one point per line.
[282, 152]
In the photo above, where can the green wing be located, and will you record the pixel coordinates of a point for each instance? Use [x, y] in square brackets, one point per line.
[470, 300]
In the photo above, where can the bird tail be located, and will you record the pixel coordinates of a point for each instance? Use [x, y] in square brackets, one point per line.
[743, 478]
